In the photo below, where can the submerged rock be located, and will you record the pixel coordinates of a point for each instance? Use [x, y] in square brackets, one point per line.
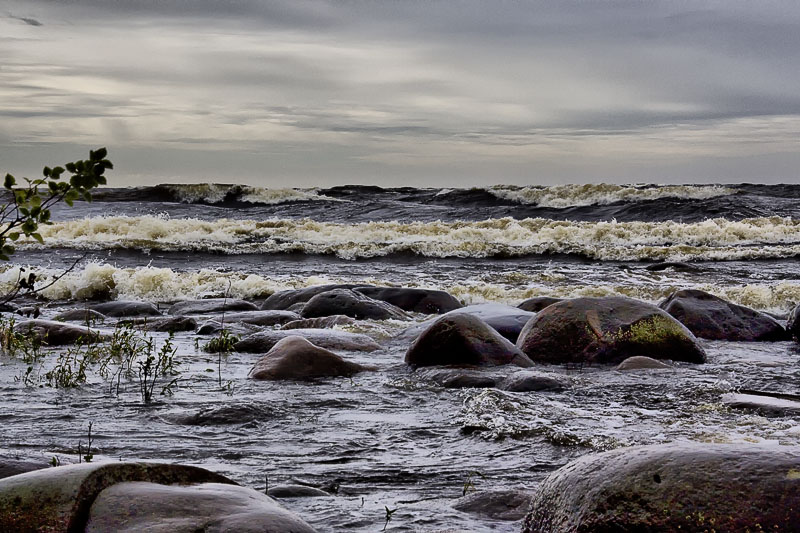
[260, 318]
[536, 304]
[211, 305]
[531, 381]
[606, 330]
[224, 415]
[263, 341]
[497, 504]
[58, 333]
[765, 405]
[426, 301]
[710, 317]
[291, 297]
[461, 339]
[123, 308]
[325, 322]
[296, 491]
[164, 323]
[672, 487]
[640, 362]
[458, 378]
[505, 319]
[87, 316]
[133, 507]
[350, 303]
[296, 358]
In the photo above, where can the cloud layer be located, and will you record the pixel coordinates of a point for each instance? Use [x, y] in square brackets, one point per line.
[422, 93]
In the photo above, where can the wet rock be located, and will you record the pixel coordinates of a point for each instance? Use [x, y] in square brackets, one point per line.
[676, 266]
[672, 487]
[261, 318]
[640, 362]
[325, 322]
[350, 303]
[58, 499]
[12, 466]
[124, 308]
[86, 316]
[458, 378]
[769, 406]
[505, 319]
[298, 359]
[426, 301]
[263, 341]
[134, 507]
[462, 339]
[212, 327]
[55, 333]
[496, 504]
[793, 323]
[710, 317]
[289, 298]
[532, 381]
[211, 305]
[225, 415]
[165, 323]
[606, 330]
[536, 304]
[8, 307]
[296, 491]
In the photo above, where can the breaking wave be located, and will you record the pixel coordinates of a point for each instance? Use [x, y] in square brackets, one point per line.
[562, 196]
[211, 194]
[713, 239]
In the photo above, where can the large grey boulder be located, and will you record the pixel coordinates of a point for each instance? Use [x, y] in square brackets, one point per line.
[288, 298]
[508, 505]
[537, 303]
[86, 316]
[211, 305]
[350, 303]
[505, 319]
[125, 308]
[606, 330]
[332, 339]
[295, 358]
[428, 301]
[55, 333]
[134, 507]
[672, 487]
[710, 317]
[462, 339]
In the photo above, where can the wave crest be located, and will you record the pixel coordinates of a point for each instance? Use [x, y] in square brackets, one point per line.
[563, 196]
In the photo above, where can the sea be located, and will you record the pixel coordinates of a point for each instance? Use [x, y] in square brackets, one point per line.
[395, 450]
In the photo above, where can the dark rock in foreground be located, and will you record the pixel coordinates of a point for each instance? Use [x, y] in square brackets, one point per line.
[263, 341]
[426, 301]
[350, 303]
[297, 359]
[672, 487]
[496, 504]
[710, 317]
[212, 305]
[461, 339]
[12, 466]
[606, 330]
[57, 333]
[536, 304]
[123, 308]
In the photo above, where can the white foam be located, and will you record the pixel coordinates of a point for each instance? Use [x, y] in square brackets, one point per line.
[561, 196]
[714, 239]
[213, 193]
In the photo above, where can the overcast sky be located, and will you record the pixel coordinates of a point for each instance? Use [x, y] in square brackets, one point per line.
[404, 92]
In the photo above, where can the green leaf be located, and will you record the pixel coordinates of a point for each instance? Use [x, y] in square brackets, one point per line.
[13, 236]
[38, 237]
[98, 154]
[7, 249]
[47, 171]
[71, 167]
[10, 181]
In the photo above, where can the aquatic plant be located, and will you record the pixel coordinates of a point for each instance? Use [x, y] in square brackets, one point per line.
[389, 513]
[155, 365]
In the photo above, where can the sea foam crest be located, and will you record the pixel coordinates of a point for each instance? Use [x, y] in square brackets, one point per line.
[214, 193]
[713, 239]
[562, 196]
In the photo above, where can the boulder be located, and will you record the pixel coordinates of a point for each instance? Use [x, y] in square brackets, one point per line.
[58, 499]
[607, 331]
[770, 406]
[133, 507]
[291, 297]
[325, 322]
[350, 303]
[211, 305]
[164, 323]
[123, 308]
[426, 301]
[212, 327]
[296, 358]
[508, 505]
[505, 319]
[12, 466]
[640, 362]
[458, 378]
[710, 317]
[462, 339]
[296, 491]
[55, 333]
[331, 339]
[533, 381]
[536, 304]
[793, 323]
[672, 487]
[86, 316]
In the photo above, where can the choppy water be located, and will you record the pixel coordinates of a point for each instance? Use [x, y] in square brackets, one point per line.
[389, 438]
